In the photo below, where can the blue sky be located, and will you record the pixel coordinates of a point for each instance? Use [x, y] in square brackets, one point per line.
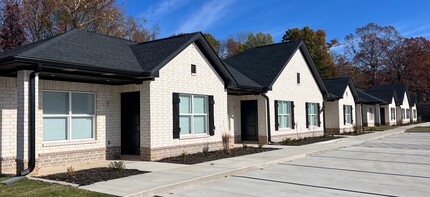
[223, 18]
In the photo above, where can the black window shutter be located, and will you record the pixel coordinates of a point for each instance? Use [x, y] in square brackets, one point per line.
[307, 112]
[211, 115]
[344, 114]
[293, 122]
[319, 115]
[352, 117]
[276, 116]
[176, 128]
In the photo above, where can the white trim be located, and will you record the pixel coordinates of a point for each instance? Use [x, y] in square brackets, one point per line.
[191, 114]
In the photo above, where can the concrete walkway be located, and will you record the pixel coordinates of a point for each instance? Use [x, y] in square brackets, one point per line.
[169, 177]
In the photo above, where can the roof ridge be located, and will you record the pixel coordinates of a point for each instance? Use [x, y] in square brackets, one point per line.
[167, 38]
[105, 35]
[278, 43]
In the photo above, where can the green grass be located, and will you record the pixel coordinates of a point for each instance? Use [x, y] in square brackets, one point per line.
[28, 187]
[379, 128]
[419, 129]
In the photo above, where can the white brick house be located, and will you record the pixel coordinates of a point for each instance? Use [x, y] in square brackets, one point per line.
[368, 109]
[279, 94]
[388, 110]
[95, 97]
[404, 112]
[340, 112]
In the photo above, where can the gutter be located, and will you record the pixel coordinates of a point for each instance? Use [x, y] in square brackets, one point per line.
[269, 132]
[32, 122]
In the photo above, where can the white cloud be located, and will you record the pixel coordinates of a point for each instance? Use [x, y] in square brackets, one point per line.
[164, 7]
[205, 16]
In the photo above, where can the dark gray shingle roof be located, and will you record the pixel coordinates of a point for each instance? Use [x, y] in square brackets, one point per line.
[364, 97]
[263, 64]
[90, 50]
[152, 54]
[399, 88]
[384, 94]
[336, 86]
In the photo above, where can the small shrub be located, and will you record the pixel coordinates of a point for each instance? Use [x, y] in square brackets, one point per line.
[260, 145]
[70, 173]
[287, 141]
[226, 142]
[244, 145]
[117, 165]
[184, 156]
[205, 150]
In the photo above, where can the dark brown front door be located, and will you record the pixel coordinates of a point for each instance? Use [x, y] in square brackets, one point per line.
[130, 123]
[249, 120]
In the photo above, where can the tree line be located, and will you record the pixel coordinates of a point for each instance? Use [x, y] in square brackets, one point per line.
[372, 55]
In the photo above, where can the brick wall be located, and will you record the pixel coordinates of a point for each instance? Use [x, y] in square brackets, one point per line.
[176, 76]
[286, 88]
[8, 124]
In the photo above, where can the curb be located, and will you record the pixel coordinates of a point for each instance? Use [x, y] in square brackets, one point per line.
[52, 181]
[221, 175]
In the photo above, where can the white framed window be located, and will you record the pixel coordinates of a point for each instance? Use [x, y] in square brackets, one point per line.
[393, 113]
[370, 113]
[284, 114]
[193, 114]
[403, 113]
[408, 113]
[348, 114]
[312, 112]
[415, 113]
[68, 115]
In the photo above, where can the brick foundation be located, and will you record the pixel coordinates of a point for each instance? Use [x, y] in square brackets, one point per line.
[78, 156]
[171, 151]
[279, 138]
[7, 165]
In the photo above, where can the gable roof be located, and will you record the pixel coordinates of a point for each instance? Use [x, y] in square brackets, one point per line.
[399, 88]
[366, 98]
[264, 64]
[386, 95]
[337, 87]
[89, 51]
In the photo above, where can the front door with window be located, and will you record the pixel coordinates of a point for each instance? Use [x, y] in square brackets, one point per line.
[130, 123]
[249, 120]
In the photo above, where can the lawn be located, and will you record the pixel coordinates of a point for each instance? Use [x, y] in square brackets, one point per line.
[379, 128]
[419, 129]
[28, 187]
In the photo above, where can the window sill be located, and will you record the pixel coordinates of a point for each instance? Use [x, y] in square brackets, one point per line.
[197, 136]
[68, 143]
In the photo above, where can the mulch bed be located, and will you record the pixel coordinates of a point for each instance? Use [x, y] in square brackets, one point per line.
[90, 176]
[354, 133]
[307, 140]
[214, 155]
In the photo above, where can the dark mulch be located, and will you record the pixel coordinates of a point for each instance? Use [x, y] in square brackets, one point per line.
[354, 133]
[307, 140]
[90, 176]
[214, 155]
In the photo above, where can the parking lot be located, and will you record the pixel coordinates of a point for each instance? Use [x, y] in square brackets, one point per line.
[398, 165]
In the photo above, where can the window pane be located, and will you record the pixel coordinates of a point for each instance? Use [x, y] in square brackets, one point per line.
[184, 105]
[55, 103]
[199, 105]
[311, 120]
[285, 121]
[82, 128]
[280, 111]
[315, 120]
[184, 123]
[285, 106]
[82, 103]
[280, 121]
[54, 129]
[199, 124]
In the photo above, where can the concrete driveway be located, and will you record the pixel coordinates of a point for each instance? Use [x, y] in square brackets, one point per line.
[394, 166]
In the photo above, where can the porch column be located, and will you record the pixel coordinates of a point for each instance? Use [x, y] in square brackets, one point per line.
[377, 115]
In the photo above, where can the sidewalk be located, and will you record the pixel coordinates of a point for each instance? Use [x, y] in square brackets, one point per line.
[174, 176]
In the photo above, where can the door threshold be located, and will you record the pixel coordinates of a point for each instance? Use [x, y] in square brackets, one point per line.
[130, 157]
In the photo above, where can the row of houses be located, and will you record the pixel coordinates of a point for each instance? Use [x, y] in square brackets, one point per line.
[82, 96]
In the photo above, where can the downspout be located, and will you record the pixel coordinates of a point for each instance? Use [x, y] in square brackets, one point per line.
[32, 126]
[323, 106]
[269, 132]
